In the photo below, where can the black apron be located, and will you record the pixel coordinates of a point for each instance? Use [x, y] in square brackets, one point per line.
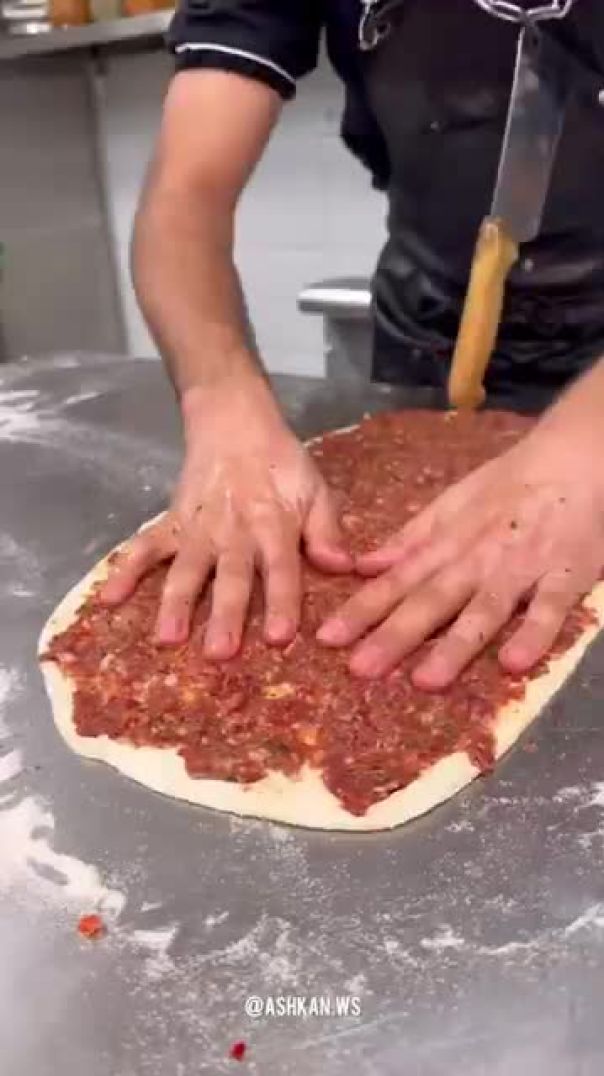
[439, 86]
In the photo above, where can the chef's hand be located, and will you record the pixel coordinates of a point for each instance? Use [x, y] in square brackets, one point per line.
[248, 495]
[526, 526]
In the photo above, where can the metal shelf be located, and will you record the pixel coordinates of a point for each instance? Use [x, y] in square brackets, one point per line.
[116, 31]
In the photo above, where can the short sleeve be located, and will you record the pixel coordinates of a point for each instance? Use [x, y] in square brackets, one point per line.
[274, 41]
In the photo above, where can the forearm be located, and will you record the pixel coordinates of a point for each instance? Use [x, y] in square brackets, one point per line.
[189, 291]
[214, 128]
[188, 288]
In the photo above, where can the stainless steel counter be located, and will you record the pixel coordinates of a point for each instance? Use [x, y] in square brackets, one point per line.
[474, 938]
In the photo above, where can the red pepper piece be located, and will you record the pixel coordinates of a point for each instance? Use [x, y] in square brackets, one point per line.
[91, 926]
[237, 1051]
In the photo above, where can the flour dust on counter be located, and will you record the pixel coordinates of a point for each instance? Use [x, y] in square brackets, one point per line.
[31, 416]
[29, 864]
[56, 884]
[32, 868]
[18, 416]
[9, 685]
[289, 734]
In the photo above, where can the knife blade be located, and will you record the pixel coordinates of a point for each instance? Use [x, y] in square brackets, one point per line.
[535, 118]
[543, 80]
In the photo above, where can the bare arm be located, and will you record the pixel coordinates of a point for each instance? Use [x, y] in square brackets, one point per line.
[248, 494]
[215, 127]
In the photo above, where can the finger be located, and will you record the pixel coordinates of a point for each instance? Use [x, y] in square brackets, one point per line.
[323, 538]
[485, 615]
[368, 606]
[422, 561]
[279, 558]
[399, 547]
[183, 585]
[230, 600]
[540, 626]
[419, 616]
[377, 599]
[133, 561]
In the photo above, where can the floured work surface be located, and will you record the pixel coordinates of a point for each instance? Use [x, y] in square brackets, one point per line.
[290, 735]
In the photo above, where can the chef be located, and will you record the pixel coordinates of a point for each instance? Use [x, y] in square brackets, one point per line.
[426, 101]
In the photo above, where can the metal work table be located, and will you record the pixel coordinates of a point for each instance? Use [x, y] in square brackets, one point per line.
[474, 938]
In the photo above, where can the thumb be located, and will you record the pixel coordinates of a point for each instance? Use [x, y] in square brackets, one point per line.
[323, 538]
[400, 546]
[379, 560]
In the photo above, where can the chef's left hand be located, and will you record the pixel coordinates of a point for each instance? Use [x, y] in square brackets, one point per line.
[529, 525]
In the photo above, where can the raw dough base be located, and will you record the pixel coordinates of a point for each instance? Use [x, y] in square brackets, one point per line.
[305, 800]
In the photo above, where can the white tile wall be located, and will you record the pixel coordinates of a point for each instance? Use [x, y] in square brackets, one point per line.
[309, 213]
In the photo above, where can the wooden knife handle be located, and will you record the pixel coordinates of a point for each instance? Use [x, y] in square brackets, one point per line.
[494, 256]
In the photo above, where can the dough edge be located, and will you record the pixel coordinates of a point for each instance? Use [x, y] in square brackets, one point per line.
[304, 800]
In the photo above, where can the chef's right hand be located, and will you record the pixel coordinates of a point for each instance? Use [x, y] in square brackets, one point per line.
[248, 496]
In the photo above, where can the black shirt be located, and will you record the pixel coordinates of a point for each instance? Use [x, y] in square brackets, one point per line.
[440, 172]
[277, 42]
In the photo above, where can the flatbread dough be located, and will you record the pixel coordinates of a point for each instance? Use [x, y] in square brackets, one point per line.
[305, 800]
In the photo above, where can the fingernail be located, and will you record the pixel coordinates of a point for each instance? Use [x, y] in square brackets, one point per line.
[279, 629]
[432, 675]
[514, 659]
[370, 563]
[340, 562]
[370, 556]
[331, 551]
[218, 644]
[109, 593]
[342, 555]
[333, 559]
[334, 632]
[375, 556]
[367, 661]
[171, 630]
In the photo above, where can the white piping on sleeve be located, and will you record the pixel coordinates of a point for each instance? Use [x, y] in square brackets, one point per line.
[207, 46]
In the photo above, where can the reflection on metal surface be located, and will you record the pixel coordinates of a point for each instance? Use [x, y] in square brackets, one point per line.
[337, 298]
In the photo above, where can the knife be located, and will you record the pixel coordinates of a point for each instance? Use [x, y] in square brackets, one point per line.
[540, 92]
